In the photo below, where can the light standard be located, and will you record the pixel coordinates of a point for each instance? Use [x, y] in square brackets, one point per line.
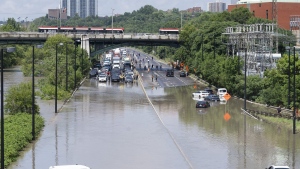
[202, 48]
[245, 76]
[26, 22]
[181, 21]
[9, 50]
[67, 67]
[75, 66]
[82, 58]
[33, 94]
[214, 47]
[294, 100]
[112, 21]
[289, 77]
[56, 77]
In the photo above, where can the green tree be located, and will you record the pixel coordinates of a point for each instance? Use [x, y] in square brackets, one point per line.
[11, 25]
[18, 99]
[45, 64]
[241, 15]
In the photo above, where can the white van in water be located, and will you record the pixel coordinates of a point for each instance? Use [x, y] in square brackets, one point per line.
[221, 92]
[69, 167]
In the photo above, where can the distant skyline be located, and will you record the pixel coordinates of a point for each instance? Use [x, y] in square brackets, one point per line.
[33, 9]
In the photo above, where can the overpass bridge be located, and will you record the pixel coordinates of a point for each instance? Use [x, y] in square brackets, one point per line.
[96, 42]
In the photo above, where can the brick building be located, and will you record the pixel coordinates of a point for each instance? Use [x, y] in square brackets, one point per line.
[55, 14]
[263, 9]
[194, 10]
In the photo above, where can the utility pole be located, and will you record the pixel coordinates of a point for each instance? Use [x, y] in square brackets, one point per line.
[112, 21]
[275, 20]
[60, 14]
[181, 20]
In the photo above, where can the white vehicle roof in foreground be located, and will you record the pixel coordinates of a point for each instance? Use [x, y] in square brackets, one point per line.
[282, 167]
[69, 167]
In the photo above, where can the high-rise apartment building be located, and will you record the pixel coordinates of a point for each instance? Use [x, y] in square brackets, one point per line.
[83, 8]
[233, 2]
[216, 6]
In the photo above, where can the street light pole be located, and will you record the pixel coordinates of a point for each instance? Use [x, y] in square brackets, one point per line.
[202, 48]
[112, 21]
[245, 84]
[214, 47]
[75, 66]
[33, 93]
[181, 21]
[294, 104]
[289, 80]
[67, 67]
[56, 80]
[2, 112]
[11, 49]
[33, 96]
[82, 57]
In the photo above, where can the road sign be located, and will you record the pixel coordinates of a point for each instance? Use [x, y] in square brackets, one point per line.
[227, 96]
[227, 116]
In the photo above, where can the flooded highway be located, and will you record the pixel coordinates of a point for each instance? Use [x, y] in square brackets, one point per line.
[113, 125]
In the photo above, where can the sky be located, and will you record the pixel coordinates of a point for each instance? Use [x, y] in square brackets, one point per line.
[36, 8]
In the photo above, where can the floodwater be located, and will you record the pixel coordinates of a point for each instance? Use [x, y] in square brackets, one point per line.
[113, 125]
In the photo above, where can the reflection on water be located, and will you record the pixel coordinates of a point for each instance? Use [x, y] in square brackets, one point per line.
[211, 140]
[112, 125]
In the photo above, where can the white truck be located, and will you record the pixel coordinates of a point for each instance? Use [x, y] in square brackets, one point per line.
[108, 56]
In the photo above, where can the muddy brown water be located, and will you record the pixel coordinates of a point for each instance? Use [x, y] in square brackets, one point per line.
[113, 125]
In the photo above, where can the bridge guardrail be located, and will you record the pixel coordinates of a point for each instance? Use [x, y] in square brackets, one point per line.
[102, 36]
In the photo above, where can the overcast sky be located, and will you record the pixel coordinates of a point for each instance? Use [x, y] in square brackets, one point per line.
[37, 8]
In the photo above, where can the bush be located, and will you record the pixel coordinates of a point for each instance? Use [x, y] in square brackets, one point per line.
[19, 99]
[17, 134]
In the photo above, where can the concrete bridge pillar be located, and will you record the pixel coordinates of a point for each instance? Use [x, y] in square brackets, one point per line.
[85, 44]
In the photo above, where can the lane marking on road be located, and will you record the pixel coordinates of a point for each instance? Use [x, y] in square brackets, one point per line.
[169, 132]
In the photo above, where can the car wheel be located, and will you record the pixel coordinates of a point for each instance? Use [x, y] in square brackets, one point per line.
[199, 97]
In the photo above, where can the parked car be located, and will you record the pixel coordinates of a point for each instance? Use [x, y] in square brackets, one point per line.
[93, 73]
[202, 104]
[129, 73]
[115, 77]
[209, 90]
[107, 68]
[212, 97]
[170, 73]
[128, 78]
[200, 94]
[278, 167]
[182, 74]
[102, 77]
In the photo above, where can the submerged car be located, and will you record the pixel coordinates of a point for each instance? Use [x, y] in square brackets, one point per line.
[202, 104]
[182, 74]
[200, 94]
[102, 77]
[93, 73]
[209, 90]
[170, 73]
[115, 77]
[212, 97]
[128, 79]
